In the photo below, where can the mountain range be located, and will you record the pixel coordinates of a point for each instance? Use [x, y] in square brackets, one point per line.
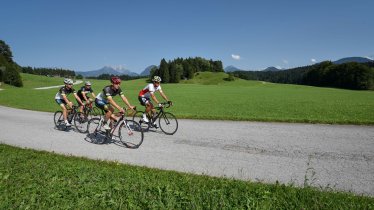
[114, 71]
[123, 71]
[340, 61]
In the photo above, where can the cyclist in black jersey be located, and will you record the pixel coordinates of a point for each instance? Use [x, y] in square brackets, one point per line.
[62, 99]
[83, 94]
[106, 103]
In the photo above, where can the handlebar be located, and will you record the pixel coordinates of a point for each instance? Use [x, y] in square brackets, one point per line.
[166, 103]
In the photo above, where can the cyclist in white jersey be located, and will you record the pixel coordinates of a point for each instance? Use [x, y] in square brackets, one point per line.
[148, 92]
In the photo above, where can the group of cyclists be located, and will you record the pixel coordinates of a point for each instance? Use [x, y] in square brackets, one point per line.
[104, 100]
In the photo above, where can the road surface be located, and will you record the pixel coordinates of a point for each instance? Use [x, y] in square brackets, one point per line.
[340, 157]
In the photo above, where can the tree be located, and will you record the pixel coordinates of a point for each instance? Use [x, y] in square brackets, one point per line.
[6, 52]
[164, 71]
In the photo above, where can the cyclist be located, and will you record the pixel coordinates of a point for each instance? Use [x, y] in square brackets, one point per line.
[148, 92]
[104, 100]
[62, 99]
[83, 94]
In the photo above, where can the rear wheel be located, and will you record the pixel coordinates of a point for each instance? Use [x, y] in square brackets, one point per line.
[138, 117]
[59, 120]
[96, 132]
[96, 112]
[168, 123]
[131, 134]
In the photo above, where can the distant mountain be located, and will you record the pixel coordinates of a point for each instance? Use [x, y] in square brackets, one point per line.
[107, 70]
[353, 59]
[272, 68]
[231, 69]
[147, 71]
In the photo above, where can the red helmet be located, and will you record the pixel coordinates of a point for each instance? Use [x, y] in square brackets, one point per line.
[115, 80]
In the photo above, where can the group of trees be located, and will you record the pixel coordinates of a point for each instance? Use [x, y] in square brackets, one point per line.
[108, 76]
[9, 70]
[174, 71]
[48, 71]
[359, 76]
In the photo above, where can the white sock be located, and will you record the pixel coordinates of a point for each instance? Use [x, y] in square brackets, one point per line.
[144, 115]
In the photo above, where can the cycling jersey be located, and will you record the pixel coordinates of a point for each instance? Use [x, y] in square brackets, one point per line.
[85, 90]
[64, 91]
[108, 91]
[150, 88]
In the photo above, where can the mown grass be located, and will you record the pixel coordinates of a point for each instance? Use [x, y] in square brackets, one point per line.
[209, 96]
[39, 180]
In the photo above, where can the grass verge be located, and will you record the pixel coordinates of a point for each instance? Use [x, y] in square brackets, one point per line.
[32, 179]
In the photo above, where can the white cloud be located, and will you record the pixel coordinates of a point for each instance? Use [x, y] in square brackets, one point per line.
[313, 60]
[278, 67]
[235, 57]
[285, 61]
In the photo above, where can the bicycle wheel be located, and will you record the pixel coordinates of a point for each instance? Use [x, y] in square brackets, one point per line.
[81, 122]
[168, 123]
[59, 120]
[96, 132]
[131, 134]
[138, 117]
[96, 112]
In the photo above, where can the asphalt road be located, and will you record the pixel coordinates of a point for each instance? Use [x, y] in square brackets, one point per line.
[339, 157]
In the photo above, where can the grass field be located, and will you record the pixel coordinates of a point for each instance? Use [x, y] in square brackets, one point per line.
[209, 96]
[39, 180]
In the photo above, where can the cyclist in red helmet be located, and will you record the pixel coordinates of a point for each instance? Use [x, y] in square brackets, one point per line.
[106, 103]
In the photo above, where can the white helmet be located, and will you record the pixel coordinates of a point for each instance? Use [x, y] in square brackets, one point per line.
[156, 79]
[68, 81]
[87, 83]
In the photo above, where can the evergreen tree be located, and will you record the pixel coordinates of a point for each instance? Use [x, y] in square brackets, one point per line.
[6, 52]
[164, 71]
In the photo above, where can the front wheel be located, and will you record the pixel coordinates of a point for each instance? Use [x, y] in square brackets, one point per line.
[168, 123]
[81, 122]
[138, 117]
[131, 134]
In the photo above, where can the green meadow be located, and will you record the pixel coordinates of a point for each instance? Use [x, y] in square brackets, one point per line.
[210, 96]
[40, 180]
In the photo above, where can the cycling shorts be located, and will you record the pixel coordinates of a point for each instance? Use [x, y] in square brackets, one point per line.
[60, 101]
[143, 100]
[103, 105]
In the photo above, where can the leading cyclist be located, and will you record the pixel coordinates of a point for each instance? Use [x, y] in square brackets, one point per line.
[148, 92]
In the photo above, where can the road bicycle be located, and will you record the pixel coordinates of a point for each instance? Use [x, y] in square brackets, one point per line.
[59, 118]
[167, 122]
[129, 132]
[81, 121]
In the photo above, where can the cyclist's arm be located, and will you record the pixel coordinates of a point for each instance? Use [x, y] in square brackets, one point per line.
[154, 98]
[67, 101]
[124, 99]
[163, 95]
[78, 99]
[93, 95]
[85, 97]
[113, 103]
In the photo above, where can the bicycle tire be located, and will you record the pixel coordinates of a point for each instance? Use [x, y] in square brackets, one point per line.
[168, 123]
[81, 124]
[96, 134]
[138, 117]
[58, 119]
[131, 134]
[96, 112]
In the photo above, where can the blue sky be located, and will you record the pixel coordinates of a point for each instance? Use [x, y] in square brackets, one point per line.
[85, 35]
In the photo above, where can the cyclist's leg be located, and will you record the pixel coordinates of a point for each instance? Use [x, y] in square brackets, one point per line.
[62, 104]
